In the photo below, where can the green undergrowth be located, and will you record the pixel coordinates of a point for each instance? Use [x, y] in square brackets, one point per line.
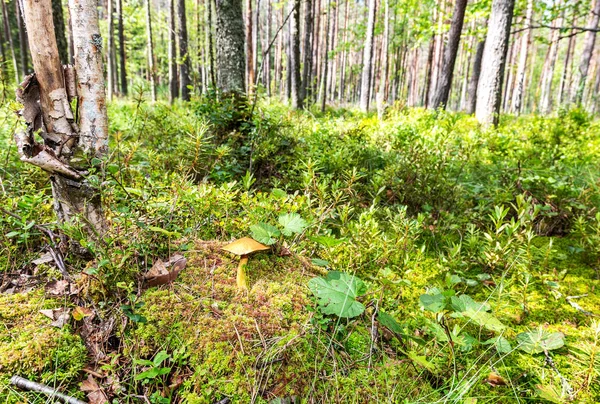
[468, 240]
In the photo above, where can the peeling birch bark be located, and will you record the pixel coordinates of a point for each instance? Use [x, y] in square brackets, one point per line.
[46, 97]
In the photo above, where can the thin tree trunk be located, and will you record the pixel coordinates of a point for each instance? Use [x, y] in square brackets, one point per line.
[231, 61]
[489, 90]
[564, 78]
[308, 32]
[172, 52]
[474, 82]
[382, 94]
[342, 89]
[365, 89]
[210, 43]
[150, 50]
[296, 82]
[325, 60]
[249, 48]
[586, 56]
[59, 29]
[24, 51]
[184, 57]
[429, 73]
[548, 76]
[442, 94]
[8, 35]
[122, 59]
[520, 78]
[110, 45]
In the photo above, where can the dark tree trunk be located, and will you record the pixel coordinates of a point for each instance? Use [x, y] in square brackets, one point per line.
[296, 82]
[308, 31]
[121, 36]
[172, 50]
[474, 81]
[59, 31]
[231, 64]
[184, 67]
[442, 93]
[210, 43]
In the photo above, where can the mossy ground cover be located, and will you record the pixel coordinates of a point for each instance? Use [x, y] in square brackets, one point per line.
[419, 203]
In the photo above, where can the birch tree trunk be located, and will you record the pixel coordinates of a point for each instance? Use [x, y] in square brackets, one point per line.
[45, 97]
[365, 88]
[489, 89]
[184, 58]
[586, 56]
[231, 63]
[150, 50]
[442, 93]
[297, 100]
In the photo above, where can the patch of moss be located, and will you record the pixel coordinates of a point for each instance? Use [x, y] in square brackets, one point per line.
[34, 349]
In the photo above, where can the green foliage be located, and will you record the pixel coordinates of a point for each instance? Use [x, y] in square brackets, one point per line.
[337, 293]
[539, 340]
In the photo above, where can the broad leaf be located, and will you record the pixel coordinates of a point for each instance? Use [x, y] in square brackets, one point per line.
[265, 233]
[337, 293]
[435, 303]
[485, 319]
[390, 322]
[540, 340]
[326, 241]
[292, 223]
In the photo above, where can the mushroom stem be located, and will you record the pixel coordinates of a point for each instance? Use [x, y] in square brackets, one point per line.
[241, 273]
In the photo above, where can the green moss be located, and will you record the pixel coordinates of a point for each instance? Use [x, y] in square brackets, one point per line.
[32, 348]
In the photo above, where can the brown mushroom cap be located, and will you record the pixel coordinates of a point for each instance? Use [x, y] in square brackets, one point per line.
[245, 246]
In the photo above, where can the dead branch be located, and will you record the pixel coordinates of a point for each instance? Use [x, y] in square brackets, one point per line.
[42, 388]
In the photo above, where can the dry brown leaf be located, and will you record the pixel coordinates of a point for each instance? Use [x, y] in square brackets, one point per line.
[44, 259]
[61, 288]
[162, 273]
[495, 380]
[95, 394]
[81, 312]
[59, 317]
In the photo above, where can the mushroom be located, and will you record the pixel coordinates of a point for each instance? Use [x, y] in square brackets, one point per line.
[244, 247]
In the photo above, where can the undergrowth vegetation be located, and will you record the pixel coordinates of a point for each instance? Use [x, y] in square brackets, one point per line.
[475, 253]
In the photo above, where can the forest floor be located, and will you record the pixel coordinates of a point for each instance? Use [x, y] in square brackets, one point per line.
[467, 259]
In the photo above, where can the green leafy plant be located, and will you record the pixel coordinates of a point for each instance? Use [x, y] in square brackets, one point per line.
[289, 224]
[540, 340]
[337, 294]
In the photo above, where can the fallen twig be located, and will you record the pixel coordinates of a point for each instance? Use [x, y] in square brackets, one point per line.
[578, 307]
[42, 388]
